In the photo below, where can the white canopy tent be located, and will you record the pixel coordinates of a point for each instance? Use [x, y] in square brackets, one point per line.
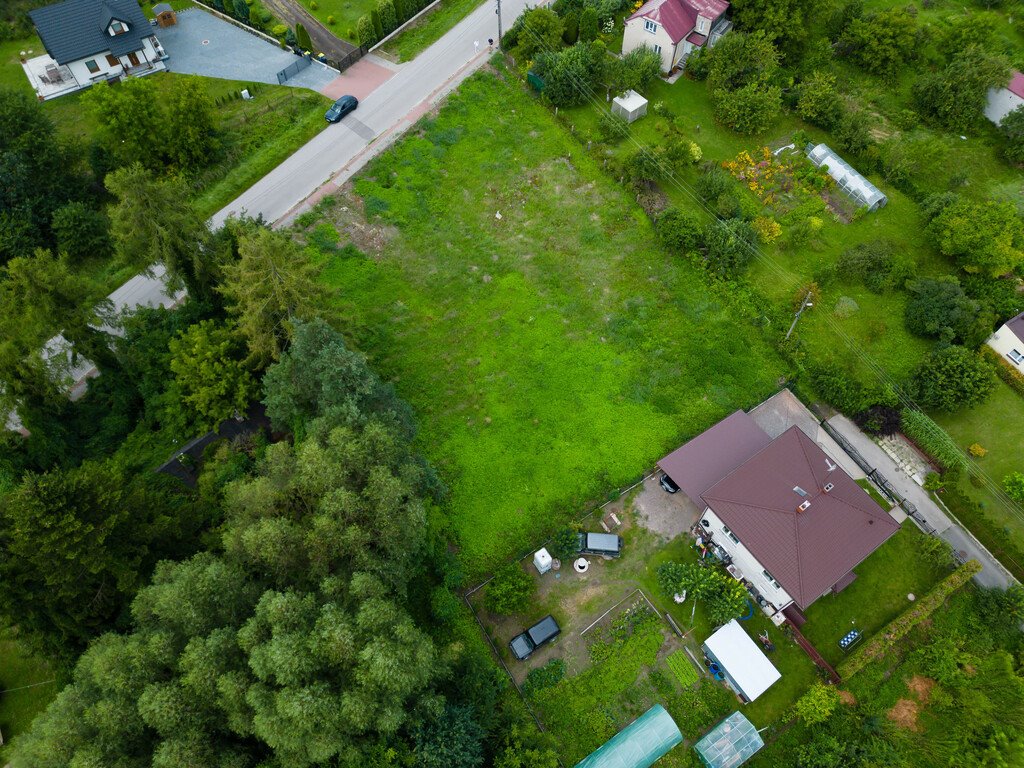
[744, 665]
[630, 106]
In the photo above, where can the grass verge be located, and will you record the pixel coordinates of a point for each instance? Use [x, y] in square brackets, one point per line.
[429, 28]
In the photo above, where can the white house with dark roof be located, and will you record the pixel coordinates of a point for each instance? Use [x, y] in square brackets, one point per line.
[1002, 101]
[1008, 341]
[88, 41]
[787, 519]
[675, 28]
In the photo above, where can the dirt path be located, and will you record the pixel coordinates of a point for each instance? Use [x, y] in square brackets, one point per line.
[324, 41]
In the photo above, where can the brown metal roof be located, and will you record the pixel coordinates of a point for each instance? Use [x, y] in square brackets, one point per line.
[807, 551]
[1016, 326]
[713, 454]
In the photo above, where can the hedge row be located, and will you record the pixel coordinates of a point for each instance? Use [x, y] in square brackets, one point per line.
[1013, 378]
[884, 640]
[385, 18]
[931, 439]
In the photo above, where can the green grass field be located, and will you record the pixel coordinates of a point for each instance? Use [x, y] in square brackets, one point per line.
[429, 28]
[19, 670]
[893, 571]
[551, 354]
[346, 15]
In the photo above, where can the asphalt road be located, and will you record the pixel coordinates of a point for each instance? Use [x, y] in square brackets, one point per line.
[342, 149]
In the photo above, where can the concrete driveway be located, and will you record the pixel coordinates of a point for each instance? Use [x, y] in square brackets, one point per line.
[202, 44]
[666, 514]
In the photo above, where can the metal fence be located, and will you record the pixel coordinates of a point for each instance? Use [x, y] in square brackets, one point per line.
[301, 63]
[348, 60]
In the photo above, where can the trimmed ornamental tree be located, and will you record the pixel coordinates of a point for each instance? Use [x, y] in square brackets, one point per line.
[588, 25]
[241, 10]
[378, 27]
[388, 18]
[302, 38]
[365, 31]
[1012, 128]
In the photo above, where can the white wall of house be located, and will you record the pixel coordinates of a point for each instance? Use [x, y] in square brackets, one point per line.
[105, 69]
[1001, 102]
[1010, 348]
[636, 34]
[751, 569]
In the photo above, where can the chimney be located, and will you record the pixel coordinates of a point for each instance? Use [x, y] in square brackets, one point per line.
[828, 487]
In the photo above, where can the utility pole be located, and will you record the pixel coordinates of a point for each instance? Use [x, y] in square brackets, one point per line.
[498, 11]
[803, 305]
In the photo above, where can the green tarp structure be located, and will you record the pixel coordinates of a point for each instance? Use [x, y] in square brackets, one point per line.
[639, 745]
[730, 743]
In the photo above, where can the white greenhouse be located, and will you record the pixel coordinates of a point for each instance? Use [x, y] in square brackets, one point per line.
[630, 106]
[847, 178]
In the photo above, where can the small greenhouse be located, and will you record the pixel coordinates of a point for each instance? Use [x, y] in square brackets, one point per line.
[639, 745]
[730, 743]
[629, 106]
[847, 178]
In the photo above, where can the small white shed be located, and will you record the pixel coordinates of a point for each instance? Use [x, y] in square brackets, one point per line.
[542, 561]
[1002, 101]
[630, 106]
[746, 668]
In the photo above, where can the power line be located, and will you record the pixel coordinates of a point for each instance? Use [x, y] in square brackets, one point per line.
[902, 397]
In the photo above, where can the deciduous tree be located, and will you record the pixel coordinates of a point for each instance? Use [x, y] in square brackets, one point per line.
[954, 378]
[955, 97]
[131, 121]
[190, 121]
[881, 42]
[81, 232]
[986, 238]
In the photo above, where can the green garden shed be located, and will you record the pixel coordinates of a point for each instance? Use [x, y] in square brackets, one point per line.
[730, 743]
[639, 745]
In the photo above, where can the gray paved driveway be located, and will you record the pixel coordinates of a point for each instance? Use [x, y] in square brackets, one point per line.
[202, 44]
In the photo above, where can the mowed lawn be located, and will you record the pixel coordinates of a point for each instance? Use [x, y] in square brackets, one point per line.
[552, 353]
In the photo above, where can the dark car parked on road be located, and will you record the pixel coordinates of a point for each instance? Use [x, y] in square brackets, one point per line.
[340, 108]
[607, 544]
[544, 631]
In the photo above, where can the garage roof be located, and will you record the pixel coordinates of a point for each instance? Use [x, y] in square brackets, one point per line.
[713, 454]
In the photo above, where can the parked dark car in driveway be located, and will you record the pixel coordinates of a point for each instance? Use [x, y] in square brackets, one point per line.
[544, 631]
[668, 483]
[607, 544]
[340, 108]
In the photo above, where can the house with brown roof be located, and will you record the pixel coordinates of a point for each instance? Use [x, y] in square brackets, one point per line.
[675, 28]
[784, 516]
[1008, 341]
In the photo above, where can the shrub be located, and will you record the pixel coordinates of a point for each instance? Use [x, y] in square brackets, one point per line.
[570, 72]
[1010, 375]
[365, 32]
[931, 439]
[1013, 484]
[729, 247]
[767, 229]
[588, 25]
[541, 31]
[565, 544]
[612, 127]
[1012, 128]
[302, 38]
[330, 20]
[696, 153]
[571, 28]
[679, 231]
[879, 420]
[82, 232]
[838, 389]
[817, 705]
[279, 31]
[313, 5]
[818, 102]
[510, 590]
[880, 643]
[698, 64]
[875, 264]
[954, 378]
[241, 10]
[547, 676]
[266, 17]
[636, 70]
[388, 17]
[977, 451]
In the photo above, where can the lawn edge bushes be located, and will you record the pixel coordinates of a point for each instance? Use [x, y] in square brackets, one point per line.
[1011, 377]
[896, 629]
[930, 438]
